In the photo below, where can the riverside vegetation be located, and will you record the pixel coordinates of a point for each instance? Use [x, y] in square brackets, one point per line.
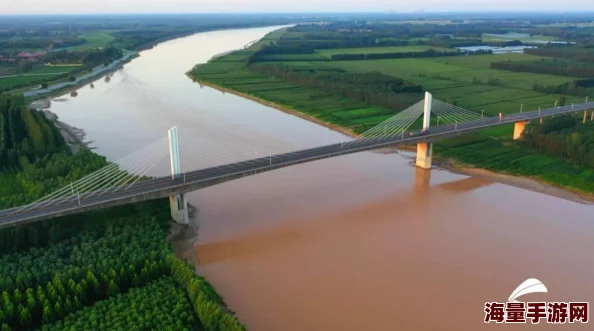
[356, 74]
[40, 51]
[111, 269]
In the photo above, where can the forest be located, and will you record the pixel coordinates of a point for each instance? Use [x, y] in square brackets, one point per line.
[104, 263]
[80, 271]
[403, 55]
[560, 67]
[577, 53]
[564, 136]
[25, 134]
[372, 87]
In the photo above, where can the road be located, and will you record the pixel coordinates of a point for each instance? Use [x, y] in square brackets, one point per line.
[164, 186]
[96, 71]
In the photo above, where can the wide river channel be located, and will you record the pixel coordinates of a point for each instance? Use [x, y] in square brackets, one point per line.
[358, 242]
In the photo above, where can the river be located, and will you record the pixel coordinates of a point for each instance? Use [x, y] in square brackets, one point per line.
[358, 242]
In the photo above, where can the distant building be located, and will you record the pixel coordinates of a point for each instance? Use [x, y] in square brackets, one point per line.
[34, 57]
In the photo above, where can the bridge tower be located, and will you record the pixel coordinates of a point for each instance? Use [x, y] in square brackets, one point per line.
[177, 202]
[424, 149]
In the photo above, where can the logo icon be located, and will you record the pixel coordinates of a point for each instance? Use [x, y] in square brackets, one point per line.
[530, 285]
[514, 311]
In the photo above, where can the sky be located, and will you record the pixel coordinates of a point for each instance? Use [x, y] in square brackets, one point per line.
[209, 6]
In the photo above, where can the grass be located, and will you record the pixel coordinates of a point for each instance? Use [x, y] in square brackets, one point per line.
[453, 80]
[379, 50]
[493, 154]
[16, 80]
[295, 57]
[311, 101]
[45, 72]
[53, 69]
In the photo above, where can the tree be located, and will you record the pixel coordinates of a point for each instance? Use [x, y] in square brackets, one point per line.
[25, 315]
[71, 78]
[112, 289]
[561, 101]
[25, 65]
[48, 314]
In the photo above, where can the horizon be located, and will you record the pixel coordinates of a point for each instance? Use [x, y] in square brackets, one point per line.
[384, 12]
[185, 7]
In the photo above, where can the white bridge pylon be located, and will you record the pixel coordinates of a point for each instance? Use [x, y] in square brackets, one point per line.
[425, 149]
[177, 202]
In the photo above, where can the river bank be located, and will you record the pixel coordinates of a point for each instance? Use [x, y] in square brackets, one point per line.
[64, 87]
[274, 105]
[74, 137]
[532, 184]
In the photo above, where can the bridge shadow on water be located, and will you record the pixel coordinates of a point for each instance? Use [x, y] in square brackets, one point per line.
[411, 206]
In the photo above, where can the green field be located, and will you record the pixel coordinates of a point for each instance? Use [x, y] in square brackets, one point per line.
[12, 81]
[466, 81]
[95, 39]
[453, 79]
[46, 72]
[379, 50]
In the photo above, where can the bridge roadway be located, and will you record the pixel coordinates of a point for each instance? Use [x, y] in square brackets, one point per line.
[165, 186]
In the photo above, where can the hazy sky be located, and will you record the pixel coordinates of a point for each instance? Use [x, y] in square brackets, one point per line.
[186, 6]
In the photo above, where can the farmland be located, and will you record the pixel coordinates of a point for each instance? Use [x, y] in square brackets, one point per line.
[45, 72]
[378, 50]
[94, 39]
[466, 81]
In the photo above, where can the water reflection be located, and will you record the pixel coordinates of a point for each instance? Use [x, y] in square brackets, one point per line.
[253, 244]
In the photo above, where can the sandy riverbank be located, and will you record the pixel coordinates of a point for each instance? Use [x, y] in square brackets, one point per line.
[536, 185]
[282, 108]
[75, 137]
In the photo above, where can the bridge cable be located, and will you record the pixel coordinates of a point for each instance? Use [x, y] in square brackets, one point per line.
[130, 174]
[86, 180]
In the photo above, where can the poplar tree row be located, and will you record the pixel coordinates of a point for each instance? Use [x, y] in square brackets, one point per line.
[372, 87]
[161, 305]
[25, 134]
[101, 261]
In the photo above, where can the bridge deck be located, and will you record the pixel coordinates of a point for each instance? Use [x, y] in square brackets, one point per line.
[165, 186]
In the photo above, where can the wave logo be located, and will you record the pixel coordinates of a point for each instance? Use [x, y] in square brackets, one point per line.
[530, 285]
[514, 311]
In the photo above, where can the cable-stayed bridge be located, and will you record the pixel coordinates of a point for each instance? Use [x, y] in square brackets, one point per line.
[125, 181]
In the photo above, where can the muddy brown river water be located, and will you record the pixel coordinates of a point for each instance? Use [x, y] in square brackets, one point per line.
[358, 242]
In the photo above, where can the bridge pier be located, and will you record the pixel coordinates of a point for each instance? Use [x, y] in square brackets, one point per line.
[179, 208]
[519, 128]
[424, 155]
[424, 149]
[177, 202]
